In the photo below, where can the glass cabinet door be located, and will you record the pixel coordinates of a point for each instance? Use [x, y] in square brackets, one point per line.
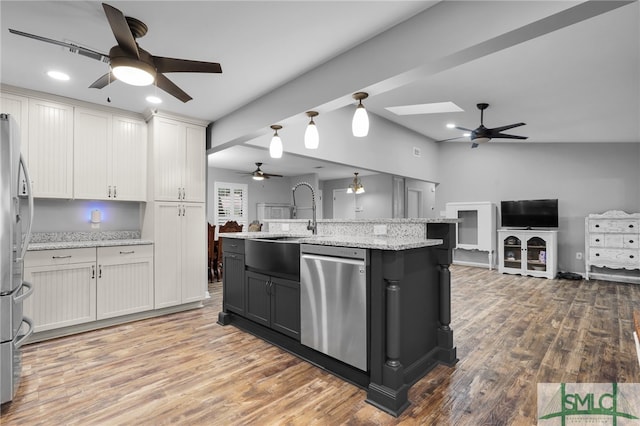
[512, 252]
[536, 254]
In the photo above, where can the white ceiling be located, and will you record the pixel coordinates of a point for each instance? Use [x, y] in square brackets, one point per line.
[577, 84]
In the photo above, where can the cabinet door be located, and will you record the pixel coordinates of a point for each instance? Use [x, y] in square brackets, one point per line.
[169, 159]
[92, 141]
[285, 306]
[128, 162]
[195, 161]
[51, 149]
[233, 282]
[168, 258]
[124, 280]
[18, 107]
[511, 253]
[63, 295]
[194, 252]
[258, 298]
[536, 254]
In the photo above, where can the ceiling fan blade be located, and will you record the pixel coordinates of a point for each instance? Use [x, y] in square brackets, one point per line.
[505, 136]
[184, 65]
[464, 129]
[103, 81]
[168, 86]
[510, 126]
[451, 139]
[268, 175]
[72, 47]
[121, 30]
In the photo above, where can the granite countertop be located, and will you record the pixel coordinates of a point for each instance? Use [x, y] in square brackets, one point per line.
[54, 245]
[378, 242]
[68, 240]
[379, 220]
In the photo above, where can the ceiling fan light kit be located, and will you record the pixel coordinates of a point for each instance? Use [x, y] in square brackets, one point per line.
[275, 147]
[360, 122]
[129, 62]
[483, 134]
[311, 136]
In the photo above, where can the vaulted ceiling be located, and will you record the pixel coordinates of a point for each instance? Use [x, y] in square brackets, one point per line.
[570, 70]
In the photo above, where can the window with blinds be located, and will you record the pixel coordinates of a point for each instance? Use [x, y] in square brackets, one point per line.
[231, 203]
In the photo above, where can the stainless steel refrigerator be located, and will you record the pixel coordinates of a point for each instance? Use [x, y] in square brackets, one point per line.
[15, 231]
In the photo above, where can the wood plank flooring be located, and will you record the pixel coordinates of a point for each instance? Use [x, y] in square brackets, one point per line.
[511, 332]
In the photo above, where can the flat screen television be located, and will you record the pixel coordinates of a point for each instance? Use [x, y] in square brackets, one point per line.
[529, 214]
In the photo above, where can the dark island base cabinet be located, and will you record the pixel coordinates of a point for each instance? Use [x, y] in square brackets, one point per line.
[233, 277]
[273, 302]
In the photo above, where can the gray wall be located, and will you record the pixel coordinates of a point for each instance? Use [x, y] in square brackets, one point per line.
[375, 202]
[584, 177]
[52, 215]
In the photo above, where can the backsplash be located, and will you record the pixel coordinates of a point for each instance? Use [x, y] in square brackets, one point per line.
[55, 237]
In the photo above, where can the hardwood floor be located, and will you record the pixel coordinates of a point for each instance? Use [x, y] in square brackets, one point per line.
[511, 332]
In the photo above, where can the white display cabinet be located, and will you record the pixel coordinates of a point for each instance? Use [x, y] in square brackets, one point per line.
[477, 231]
[528, 252]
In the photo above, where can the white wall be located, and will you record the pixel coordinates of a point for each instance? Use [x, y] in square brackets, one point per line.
[584, 177]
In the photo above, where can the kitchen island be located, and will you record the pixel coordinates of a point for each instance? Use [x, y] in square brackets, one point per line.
[408, 306]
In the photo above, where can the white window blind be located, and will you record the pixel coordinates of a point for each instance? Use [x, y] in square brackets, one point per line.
[231, 203]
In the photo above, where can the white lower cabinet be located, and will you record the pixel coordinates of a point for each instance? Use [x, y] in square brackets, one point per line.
[180, 253]
[125, 280]
[64, 287]
[76, 286]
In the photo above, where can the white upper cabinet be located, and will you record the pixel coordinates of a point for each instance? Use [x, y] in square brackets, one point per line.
[179, 160]
[109, 156]
[51, 149]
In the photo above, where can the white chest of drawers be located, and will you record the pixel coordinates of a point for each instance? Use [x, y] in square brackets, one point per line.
[612, 241]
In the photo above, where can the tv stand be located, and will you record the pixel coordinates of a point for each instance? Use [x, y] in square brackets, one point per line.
[530, 252]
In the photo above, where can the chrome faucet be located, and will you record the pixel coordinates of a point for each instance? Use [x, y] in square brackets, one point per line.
[310, 227]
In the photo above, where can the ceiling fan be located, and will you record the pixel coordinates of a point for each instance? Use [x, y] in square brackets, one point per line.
[129, 62]
[258, 174]
[483, 134]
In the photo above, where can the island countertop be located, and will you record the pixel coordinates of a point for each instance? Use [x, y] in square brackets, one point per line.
[379, 242]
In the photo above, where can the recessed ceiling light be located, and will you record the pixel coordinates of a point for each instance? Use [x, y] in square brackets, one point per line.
[433, 108]
[154, 99]
[451, 125]
[58, 75]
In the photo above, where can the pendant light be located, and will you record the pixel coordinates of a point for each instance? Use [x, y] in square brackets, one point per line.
[311, 136]
[275, 148]
[356, 186]
[360, 123]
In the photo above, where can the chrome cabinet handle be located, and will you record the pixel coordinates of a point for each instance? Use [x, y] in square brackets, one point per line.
[109, 191]
[115, 189]
[61, 257]
[127, 252]
[99, 271]
[93, 271]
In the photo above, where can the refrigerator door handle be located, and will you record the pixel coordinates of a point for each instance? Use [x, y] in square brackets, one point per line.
[24, 294]
[27, 235]
[24, 337]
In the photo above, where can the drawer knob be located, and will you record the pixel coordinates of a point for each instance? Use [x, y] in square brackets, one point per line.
[597, 226]
[597, 240]
[631, 256]
[631, 226]
[597, 254]
[630, 241]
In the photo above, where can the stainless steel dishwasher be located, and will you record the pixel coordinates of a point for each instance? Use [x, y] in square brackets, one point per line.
[333, 302]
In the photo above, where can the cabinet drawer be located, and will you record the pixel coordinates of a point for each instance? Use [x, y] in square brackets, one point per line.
[630, 241]
[596, 240]
[232, 245]
[60, 257]
[122, 253]
[621, 256]
[613, 225]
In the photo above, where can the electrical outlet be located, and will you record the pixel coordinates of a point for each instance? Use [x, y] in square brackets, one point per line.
[379, 229]
[578, 255]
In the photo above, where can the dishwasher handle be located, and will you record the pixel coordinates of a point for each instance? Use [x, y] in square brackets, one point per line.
[306, 256]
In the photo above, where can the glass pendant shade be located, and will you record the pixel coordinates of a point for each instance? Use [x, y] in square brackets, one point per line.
[311, 136]
[360, 123]
[275, 148]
